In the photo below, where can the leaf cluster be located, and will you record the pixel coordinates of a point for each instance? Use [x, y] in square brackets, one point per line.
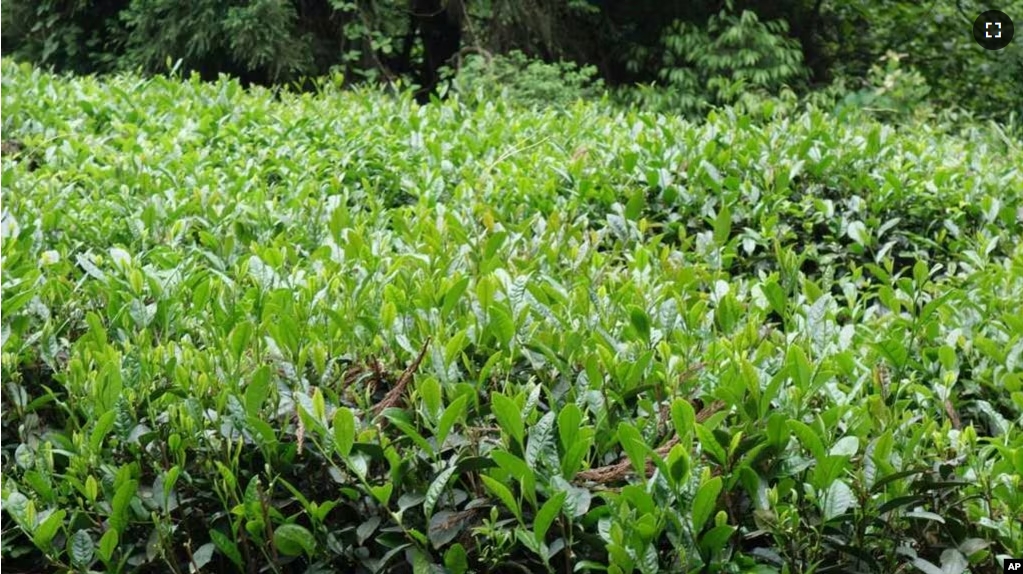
[255, 331]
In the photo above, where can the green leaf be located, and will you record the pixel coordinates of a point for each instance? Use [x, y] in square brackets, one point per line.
[494, 243]
[344, 431]
[799, 367]
[634, 207]
[99, 333]
[504, 495]
[456, 560]
[837, 500]
[846, 446]
[398, 418]
[293, 540]
[512, 464]
[319, 406]
[953, 562]
[227, 547]
[15, 303]
[119, 505]
[827, 470]
[715, 539]
[541, 439]
[641, 322]
[453, 294]
[502, 326]
[238, 339]
[634, 446]
[107, 545]
[429, 390]
[454, 412]
[81, 548]
[437, 487]
[705, 502]
[723, 225]
[104, 425]
[47, 529]
[202, 555]
[383, 492]
[710, 444]
[548, 512]
[808, 438]
[23, 510]
[169, 479]
[578, 499]
[486, 287]
[776, 297]
[569, 422]
[509, 416]
[857, 231]
[893, 350]
[678, 464]
[683, 417]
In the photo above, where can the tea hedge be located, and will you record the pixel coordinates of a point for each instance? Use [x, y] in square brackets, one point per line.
[262, 331]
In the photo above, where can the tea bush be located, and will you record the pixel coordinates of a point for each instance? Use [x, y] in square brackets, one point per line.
[262, 331]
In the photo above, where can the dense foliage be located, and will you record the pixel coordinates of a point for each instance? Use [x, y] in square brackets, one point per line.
[263, 331]
[696, 53]
[733, 56]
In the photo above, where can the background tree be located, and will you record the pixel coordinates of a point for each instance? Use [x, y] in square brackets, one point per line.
[676, 45]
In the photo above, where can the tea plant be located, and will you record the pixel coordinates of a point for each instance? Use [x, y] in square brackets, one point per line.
[262, 331]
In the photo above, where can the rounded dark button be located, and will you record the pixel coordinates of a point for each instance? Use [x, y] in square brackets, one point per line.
[993, 30]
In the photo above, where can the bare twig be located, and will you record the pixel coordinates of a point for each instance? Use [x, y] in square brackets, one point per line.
[619, 470]
[393, 397]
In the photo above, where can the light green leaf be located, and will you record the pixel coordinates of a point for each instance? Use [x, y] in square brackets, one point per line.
[344, 430]
[846, 446]
[799, 367]
[293, 540]
[723, 225]
[257, 391]
[548, 512]
[452, 414]
[119, 506]
[382, 492]
[808, 438]
[634, 446]
[504, 495]
[705, 502]
[107, 545]
[456, 560]
[569, 422]
[837, 500]
[710, 444]
[508, 415]
[953, 562]
[683, 417]
[502, 326]
[47, 529]
[857, 231]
